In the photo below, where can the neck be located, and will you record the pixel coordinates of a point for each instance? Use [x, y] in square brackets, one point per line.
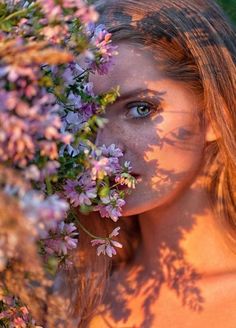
[185, 234]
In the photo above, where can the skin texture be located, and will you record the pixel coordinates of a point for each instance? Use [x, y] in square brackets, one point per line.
[165, 146]
[183, 257]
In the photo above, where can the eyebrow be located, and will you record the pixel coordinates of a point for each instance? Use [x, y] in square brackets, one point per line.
[136, 92]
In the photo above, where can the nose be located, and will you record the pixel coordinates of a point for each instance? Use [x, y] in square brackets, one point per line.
[107, 136]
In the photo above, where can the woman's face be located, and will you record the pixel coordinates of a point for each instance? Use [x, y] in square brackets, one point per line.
[154, 122]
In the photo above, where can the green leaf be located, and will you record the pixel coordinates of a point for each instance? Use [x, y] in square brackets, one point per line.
[6, 26]
[109, 97]
[85, 209]
[104, 191]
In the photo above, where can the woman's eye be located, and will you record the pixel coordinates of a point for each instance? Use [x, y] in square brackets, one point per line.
[139, 110]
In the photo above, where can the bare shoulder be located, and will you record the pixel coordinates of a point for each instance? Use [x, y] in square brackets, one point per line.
[219, 310]
[99, 321]
[103, 319]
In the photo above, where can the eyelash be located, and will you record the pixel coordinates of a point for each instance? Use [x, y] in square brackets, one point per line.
[153, 109]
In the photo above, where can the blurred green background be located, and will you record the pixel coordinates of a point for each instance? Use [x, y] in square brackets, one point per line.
[230, 8]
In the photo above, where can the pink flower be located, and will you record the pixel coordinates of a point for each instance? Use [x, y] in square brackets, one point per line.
[61, 239]
[111, 206]
[105, 50]
[81, 191]
[106, 245]
[29, 127]
[18, 322]
[85, 13]
[100, 168]
[51, 10]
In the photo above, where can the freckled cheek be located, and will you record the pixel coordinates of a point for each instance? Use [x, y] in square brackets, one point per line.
[130, 137]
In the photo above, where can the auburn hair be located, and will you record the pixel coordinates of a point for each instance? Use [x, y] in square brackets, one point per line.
[195, 43]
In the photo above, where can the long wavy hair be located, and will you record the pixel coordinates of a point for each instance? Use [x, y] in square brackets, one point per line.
[195, 43]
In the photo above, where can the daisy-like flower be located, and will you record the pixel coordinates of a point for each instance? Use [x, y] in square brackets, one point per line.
[106, 245]
[111, 151]
[61, 239]
[111, 206]
[81, 190]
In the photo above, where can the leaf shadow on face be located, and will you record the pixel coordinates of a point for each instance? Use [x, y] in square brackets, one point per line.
[172, 269]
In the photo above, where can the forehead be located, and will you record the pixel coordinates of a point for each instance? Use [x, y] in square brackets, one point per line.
[134, 67]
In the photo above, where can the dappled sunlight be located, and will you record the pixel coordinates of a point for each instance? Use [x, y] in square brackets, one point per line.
[146, 294]
[158, 122]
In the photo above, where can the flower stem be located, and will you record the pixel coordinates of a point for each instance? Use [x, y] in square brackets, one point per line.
[116, 184]
[19, 12]
[88, 232]
[49, 186]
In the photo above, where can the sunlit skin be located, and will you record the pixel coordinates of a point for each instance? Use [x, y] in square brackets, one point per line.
[154, 122]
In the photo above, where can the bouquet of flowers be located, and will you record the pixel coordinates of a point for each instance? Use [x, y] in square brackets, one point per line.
[49, 163]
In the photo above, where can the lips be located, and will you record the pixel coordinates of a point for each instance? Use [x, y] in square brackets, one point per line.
[136, 176]
[122, 187]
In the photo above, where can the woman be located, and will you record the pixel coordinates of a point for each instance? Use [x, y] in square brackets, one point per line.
[175, 120]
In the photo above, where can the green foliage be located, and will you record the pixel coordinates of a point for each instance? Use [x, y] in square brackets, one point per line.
[229, 7]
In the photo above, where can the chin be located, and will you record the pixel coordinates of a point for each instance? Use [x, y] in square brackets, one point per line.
[130, 209]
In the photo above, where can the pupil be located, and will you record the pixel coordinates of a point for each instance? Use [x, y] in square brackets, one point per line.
[142, 109]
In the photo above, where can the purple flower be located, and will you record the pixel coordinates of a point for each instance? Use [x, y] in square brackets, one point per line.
[72, 71]
[43, 212]
[111, 151]
[82, 10]
[83, 105]
[100, 168]
[88, 110]
[28, 129]
[105, 246]
[85, 13]
[75, 101]
[88, 89]
[72, 122]
[49, 168]
[32, 172]
[111, 206]
[105, 50]
[81, 191]
[61, 239]
[51, 10]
